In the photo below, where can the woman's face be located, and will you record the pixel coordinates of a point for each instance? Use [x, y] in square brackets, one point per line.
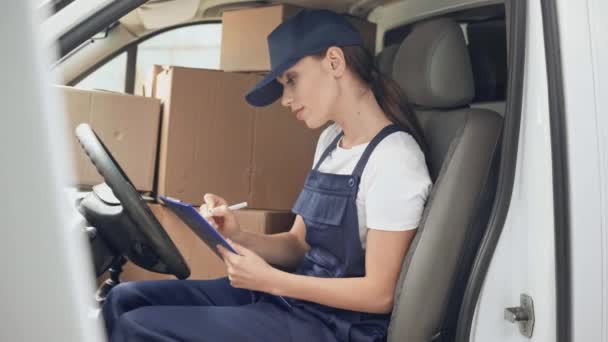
[310, 90]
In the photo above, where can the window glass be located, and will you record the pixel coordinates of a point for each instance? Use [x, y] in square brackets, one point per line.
[196, 46]
[110, 76]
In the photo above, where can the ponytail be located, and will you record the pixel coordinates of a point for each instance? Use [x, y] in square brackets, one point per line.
[391, 99]
[387, 92]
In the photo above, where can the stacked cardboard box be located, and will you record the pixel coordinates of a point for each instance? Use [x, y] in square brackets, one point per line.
[128, 125]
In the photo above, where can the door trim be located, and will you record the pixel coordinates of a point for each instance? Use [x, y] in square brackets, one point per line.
[559, 159]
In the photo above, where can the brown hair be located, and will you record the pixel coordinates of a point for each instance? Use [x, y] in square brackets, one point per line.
[387, 92]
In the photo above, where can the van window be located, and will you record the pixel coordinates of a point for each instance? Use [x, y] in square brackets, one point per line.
[110, 76]
[195, 46]
[488, 50]
[396, 35]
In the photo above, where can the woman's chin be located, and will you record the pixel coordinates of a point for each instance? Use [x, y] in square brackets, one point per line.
[314, 124]
[311, 124]
[312, 120]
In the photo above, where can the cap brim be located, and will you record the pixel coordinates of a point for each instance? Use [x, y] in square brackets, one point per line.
[268, 89]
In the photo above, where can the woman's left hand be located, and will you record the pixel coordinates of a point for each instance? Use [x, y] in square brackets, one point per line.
[247, 270]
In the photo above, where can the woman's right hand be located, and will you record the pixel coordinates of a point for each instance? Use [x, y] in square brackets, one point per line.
[215, 211]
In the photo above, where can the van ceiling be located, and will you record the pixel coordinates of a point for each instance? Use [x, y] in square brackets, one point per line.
[157, 14]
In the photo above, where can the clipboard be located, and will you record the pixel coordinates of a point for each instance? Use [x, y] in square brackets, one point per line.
[197, 223]
[201, 227]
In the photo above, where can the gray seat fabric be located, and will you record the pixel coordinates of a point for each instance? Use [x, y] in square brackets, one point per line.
[432, 66]
[385, 59]
[498, 106]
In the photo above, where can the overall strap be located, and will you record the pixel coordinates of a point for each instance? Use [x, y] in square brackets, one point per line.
[328, 150]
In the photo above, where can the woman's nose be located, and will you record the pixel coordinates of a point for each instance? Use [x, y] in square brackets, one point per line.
[286, 99]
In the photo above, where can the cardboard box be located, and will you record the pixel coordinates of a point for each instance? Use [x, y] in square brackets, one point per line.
[149, 86]
[212, 141]
[265, 221]
[204, 264]
[128, 125]
[245, 31]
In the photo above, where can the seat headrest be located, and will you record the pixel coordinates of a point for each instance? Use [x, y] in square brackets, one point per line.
[385, 59]
[433, 67]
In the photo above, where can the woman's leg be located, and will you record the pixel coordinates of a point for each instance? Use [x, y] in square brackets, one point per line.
[129, 296]
[259, 322]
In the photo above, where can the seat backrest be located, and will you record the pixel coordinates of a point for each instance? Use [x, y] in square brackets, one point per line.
[385, 59]
[497, 106]
[433, 68]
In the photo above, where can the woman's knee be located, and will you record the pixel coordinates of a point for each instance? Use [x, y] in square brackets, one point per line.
[135, 325]
[122, 298]
[121, 294]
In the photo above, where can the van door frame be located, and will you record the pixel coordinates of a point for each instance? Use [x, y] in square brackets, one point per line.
[517, 36]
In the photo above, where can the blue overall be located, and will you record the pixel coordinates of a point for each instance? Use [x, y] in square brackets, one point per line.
[212, 310]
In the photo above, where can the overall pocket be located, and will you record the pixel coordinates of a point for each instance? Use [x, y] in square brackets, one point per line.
[321, 263]
[323, 209]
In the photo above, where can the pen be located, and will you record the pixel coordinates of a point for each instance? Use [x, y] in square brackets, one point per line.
[233, 207]
[238, 206]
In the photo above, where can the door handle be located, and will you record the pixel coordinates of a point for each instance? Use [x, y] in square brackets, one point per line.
[523, 315]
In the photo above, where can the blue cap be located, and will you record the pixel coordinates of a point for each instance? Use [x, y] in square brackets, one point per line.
[307, 33]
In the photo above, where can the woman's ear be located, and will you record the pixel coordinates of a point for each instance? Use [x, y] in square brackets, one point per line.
[335, 61]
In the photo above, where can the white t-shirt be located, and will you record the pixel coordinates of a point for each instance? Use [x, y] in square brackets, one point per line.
[394, 185]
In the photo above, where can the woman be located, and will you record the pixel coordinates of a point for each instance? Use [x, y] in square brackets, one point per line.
[356, 216]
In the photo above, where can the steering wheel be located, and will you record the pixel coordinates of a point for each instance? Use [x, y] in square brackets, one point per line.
[129, 226]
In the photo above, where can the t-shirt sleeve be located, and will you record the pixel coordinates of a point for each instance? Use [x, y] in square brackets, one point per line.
[399, 185]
